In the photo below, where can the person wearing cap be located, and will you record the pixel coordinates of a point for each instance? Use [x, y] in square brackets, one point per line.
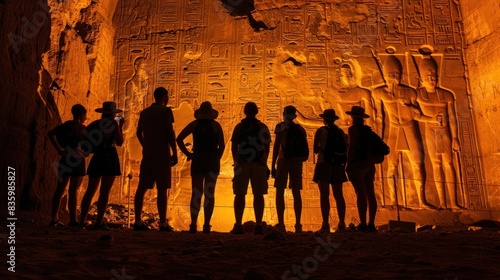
[250, 143]
[282, 168]
[208, 147]
[360, 170]
[105, 134]
[327, 173]
[66, 139]
[156, 135]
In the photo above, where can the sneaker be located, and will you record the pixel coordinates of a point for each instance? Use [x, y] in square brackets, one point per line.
[206, 228]
[362, 228]
[372, 228]
[280, 228]
[325, 228]
[141, 227]
[166, 228]
[298, 228]
[192, 229]
[237, 229]
[56, 224]
[340, 227]
[259, 229]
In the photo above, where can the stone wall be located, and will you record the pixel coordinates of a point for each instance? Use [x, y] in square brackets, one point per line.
[56, 54]
[481, 25]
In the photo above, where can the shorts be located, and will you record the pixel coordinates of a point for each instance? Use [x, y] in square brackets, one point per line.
[254, 172]
[153, 172]
[71, 167]
[205, 163]
[327, 172]
[288, 167]
[104, 163]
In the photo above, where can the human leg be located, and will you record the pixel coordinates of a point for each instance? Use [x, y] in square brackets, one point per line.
[196, 195]
[74, 185]
[297, 207]
[370, 195]
[258, 205]
[93, 184]
[56, 199]
[324, 200]
[340, 201]
[102, 202]
[209, 192]
[280, 205]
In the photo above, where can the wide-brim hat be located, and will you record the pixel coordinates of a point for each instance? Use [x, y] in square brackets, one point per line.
[206, 111]
[357, 111]
[108, 107]
[329, 114]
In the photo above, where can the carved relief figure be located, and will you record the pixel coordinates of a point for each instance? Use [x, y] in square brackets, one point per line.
[398, 102]
[136, 88]
[441, 135]
[351, 94]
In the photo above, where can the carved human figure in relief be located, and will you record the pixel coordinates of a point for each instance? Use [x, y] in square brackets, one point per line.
[399, 104]
[441, 135]
[351, 94]
[136, 90]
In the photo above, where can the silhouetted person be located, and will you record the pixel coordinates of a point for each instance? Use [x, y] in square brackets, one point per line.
[208, 147]
[156, 134]
[360, 169]
[104, 166]
[250, 149]
[330, 145]
[66, 139]
[287, 162]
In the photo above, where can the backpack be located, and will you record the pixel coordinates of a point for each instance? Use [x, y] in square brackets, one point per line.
[296, 143]
[336, 147]
[204, 137]
[250, 147]
[374, 148]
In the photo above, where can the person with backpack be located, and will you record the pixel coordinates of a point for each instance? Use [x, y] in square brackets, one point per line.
[67, 138]
[361, 168]
[250, 145]
[208, 147]
[289, 152]
[330, 145]
[105, 164]
[156, 135]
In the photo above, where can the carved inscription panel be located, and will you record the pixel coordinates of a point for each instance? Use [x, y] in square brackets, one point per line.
[402, 60]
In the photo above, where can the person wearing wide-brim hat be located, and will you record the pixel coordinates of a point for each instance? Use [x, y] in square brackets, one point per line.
[208, 147]
[357, 112]
[104, 134]
[108, 107]
[360, 170]
[329, 169]
[206, 112]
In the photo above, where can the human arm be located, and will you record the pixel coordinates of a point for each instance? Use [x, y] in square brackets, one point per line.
[180, 139]
[234, 144]
[139, 132]
[316, 141]
[452, 119]
[118, 131]
[220, 140]
[276, 150]
[53, 140]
